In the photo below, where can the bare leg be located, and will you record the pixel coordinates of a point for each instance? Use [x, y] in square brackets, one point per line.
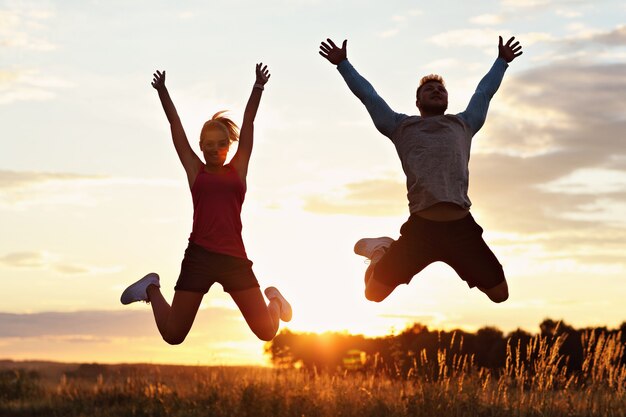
[497, 294]
[174, 322]
[263, 319]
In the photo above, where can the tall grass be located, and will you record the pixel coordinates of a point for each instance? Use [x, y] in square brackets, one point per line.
[534, 382]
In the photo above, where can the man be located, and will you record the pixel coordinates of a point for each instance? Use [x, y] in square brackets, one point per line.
[434, 149]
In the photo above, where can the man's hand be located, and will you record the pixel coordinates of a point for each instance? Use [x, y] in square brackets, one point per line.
[158, 80]
[332, 52]
[509, 52]
[262, 74]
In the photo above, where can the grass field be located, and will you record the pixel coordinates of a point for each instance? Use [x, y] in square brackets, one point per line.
[543, 387]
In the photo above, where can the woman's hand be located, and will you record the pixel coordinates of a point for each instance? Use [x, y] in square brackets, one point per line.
[262, 74]
[158, 80]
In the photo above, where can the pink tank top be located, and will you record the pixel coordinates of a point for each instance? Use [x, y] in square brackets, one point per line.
[217, 201]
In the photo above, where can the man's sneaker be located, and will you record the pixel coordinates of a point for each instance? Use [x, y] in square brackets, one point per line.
[137, 291]
[285, 308]
[369, 246]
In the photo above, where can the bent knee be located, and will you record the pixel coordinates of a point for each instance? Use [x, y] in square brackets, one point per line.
[500, 297]
[374, 296]
[376, 291]
[174, 339]
[265, 335]
[264, 331]
[498, 294]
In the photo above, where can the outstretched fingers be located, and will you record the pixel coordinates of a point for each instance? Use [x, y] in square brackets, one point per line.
[333, 53]
[158, 79]
[324, 47]
[509, 51]
[262, 73]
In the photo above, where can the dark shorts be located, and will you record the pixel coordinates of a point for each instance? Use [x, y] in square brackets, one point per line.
[201, 268]
[458, 243]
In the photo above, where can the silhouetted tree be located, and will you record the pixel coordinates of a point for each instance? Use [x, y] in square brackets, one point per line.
[415, 349]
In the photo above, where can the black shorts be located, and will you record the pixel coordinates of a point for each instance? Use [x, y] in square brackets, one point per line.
[458, 243]
[201, 268]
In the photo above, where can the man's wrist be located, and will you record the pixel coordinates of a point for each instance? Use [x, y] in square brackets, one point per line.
[341, 62]
[259, 86]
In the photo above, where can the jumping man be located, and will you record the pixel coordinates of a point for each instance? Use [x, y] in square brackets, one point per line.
[434, 149]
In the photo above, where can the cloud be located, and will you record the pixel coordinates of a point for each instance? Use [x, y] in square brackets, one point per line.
[540, 4]
[18, 179]
[616, 37]
[31, 188]
[377, 197]
[441, 64]
[585, 44]
[107, 324]
[186, 15]
[20, 28]
[389, 33]
[25, 27]
[485, 38]
[24, 260]
[28, 85]
[569, 14]
[487, 19]
[219, 336]
[589, 181]
[400, 21]
[582, 43]
[20, 189]
[46, 260]
[525, 3]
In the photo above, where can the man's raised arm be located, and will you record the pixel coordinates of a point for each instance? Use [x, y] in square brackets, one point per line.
[384, 118]
[476, 111]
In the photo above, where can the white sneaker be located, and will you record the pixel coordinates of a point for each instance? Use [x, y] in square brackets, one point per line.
[285, 308]
[368, 246]
[137, 291]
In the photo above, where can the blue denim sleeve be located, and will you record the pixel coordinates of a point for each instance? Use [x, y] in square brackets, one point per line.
[476, 111]
[384, 118]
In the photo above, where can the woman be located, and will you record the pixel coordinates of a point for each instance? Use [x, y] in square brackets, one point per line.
[216, 252]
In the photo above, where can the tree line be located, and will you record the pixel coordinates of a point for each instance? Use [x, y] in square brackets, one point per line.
[419, 347]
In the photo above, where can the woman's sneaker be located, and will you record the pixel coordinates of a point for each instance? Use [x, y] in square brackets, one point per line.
[371, 247]
[285, 308]
[138, 290]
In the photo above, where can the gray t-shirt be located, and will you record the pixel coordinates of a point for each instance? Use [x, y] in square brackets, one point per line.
[434, 151]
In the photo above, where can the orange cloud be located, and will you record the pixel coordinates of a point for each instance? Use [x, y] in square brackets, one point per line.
[379, 197]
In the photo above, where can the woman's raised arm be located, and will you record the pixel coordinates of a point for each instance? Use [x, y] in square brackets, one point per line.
[191, 162]
[244, 150]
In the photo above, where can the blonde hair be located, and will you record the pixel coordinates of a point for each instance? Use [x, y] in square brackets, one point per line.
[429, 79]
[223, 123]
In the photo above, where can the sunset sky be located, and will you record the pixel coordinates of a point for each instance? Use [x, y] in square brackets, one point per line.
[93, 197]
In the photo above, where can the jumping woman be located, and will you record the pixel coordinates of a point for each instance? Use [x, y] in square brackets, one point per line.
[216, 251]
